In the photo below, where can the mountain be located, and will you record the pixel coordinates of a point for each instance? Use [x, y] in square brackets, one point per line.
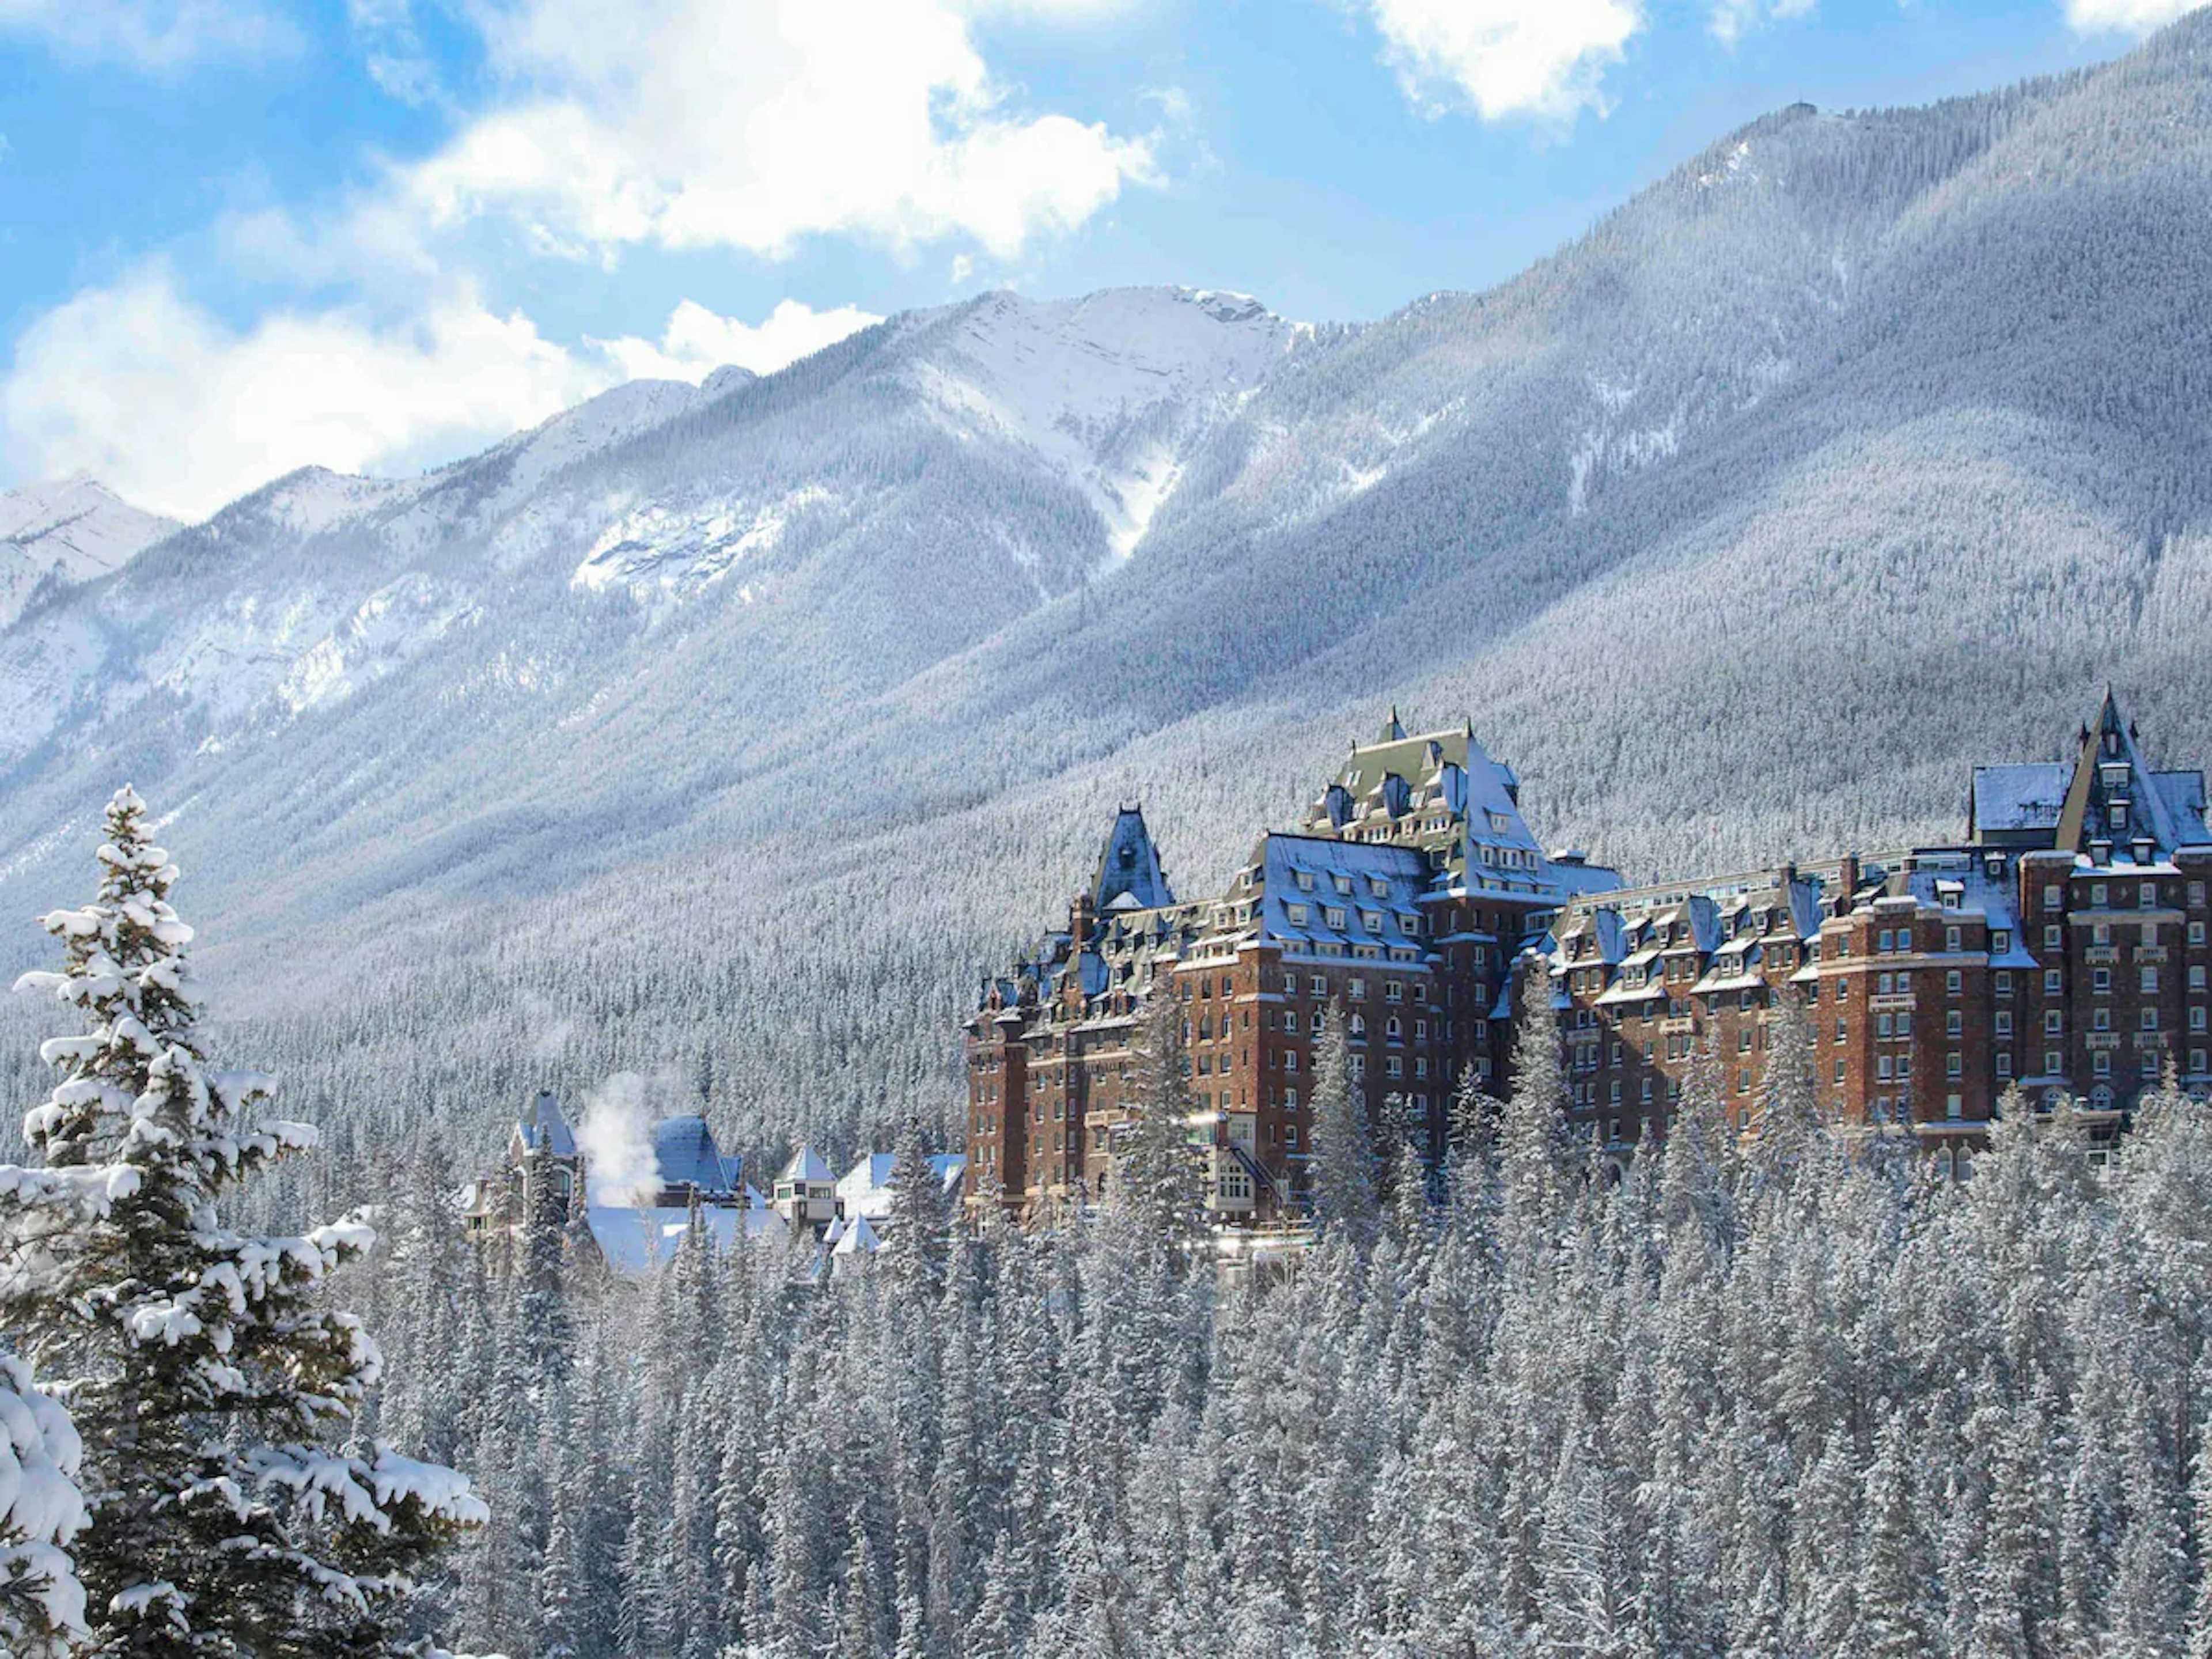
[721, 733]
[70, 529]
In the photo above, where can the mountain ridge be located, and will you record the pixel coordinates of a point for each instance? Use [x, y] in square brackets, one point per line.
[1855, 449]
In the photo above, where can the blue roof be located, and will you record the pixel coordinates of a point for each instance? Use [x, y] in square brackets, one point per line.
[685, 1154]
[544, 1120]
[2016, 797]
[1130, 865]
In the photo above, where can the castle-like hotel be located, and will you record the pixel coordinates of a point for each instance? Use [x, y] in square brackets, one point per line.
[2061, 946]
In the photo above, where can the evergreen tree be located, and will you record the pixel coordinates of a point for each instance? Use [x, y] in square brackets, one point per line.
[207, 1371]
[1340, 1176]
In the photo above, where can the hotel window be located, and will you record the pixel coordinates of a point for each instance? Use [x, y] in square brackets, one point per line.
[2052, 898]
[1953, 1023]
[1881, 1068]
[1954, 1064]
[1420, 1066]
[1305, 881]
[2051, 981]
[1885, 939]
[1358, 1068]
[2100, 933]
[1394, 990]
[2150, 980]
[1886, 985]
[1343, 883]
[2099, 894]
[1394, 1066]
[2196, 1061]
[2004, 984]
[1318, 985]
[1394, 1030]
[1371, 920]
[1291, 1064]
[2196, 1016]
[1953, 982]
[2196, 933]
[1839, 1071]
[2004, 1022]
[1951, 938]
[2051, 1062]
[1839, 1030]
[1320, 1022]
[1615, 1093]
[1954, 1107]
[2000, 942]
[2101, 980]
[2004, 1066]
[2054, 936]
[2150, 1019]
[2101, 1062]
[2053, 1021]
[2196, 892]
[1336, 917]
[1378, 887]
[2146, 896]
[2101, 1019]
[1743, 1043]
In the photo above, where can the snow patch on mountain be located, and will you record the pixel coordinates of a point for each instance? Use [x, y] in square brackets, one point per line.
[74, 529]
[392, 625]
[1110, 389]
[657, 553]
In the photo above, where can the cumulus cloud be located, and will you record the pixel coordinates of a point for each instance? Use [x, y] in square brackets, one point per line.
[697, 341]
[156, 35]
[178, 410]
[2125, 16]
[754, 123]
[1505, 57]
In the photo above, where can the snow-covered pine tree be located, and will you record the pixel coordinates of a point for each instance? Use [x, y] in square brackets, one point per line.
[1156, 1195]
[915, 1252]
[206, 1376]
[41, 1509]
[1340, 1177]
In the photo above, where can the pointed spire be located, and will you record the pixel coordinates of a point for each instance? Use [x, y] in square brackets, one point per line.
[1393, 730]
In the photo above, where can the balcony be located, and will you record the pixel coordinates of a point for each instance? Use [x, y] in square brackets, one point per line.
[2101, 954]
[2150, 953]
[2097, 1040]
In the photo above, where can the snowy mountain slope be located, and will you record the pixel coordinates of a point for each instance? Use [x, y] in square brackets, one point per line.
[1858, 449]
[74, 529]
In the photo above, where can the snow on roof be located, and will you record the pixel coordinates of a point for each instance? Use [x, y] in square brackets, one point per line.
[2184, 795]
[1129, 868]
[858, 1239]
[2020, 798]
[544, 1119]
[684, 1154]
[1402, 872]
[866, 1188]
[634, 1240]
[806, 1165]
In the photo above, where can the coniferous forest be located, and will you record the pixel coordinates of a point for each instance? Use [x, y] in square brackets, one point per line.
[1763, 1391]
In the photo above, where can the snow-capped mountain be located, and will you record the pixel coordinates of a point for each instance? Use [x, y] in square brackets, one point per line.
[1854, 451]
[72, 529]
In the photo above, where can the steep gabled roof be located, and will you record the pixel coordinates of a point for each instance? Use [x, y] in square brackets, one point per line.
[806, 1165]
[545, 1122]
[685, 1154]
[1129, 865]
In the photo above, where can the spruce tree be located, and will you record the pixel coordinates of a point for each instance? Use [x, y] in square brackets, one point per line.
[209, 1377]
[1340, 1177]
[41, 1509]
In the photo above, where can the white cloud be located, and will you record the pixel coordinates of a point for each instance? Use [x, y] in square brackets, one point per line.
[754, 123]
[2125, 17]
[157, 35]
[1505, 57]
[697, 341]
[1731, 20]
[176, 410]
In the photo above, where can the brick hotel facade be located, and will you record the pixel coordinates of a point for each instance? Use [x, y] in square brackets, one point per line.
[2061, 946]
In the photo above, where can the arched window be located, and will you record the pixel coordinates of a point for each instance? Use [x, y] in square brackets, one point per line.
[2101, 1096]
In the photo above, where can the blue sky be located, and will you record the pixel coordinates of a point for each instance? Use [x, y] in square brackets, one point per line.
[245, 235]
